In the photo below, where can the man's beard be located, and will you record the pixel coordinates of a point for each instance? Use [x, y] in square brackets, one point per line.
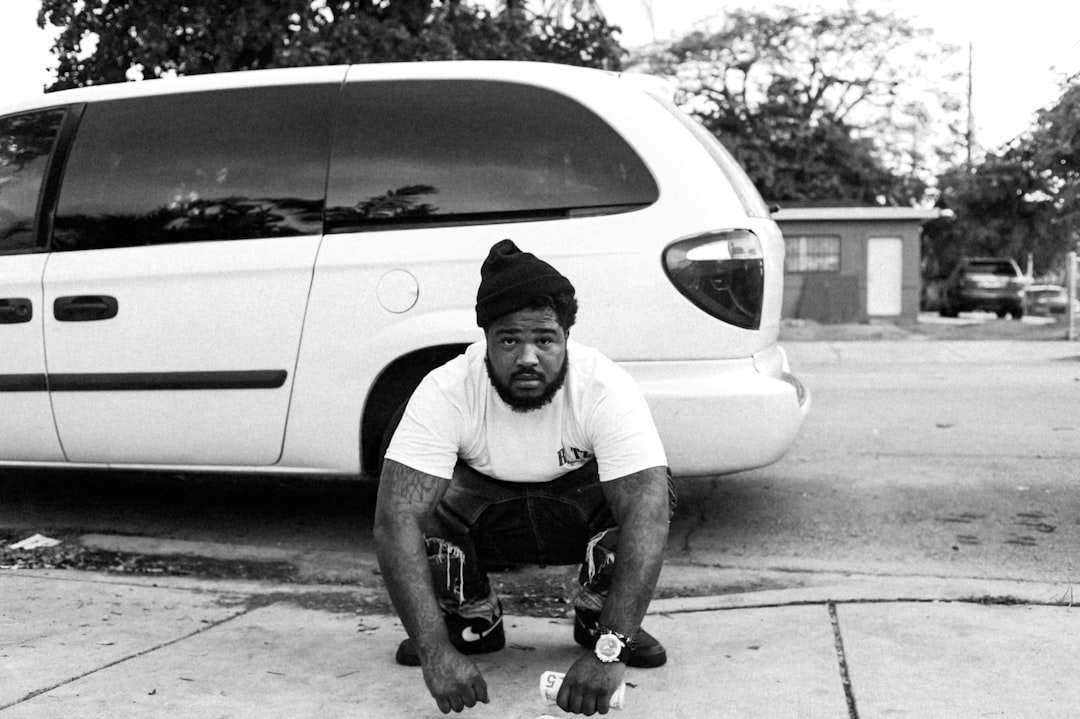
[526, 404]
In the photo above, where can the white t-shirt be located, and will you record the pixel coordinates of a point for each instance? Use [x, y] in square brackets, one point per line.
[598, 413]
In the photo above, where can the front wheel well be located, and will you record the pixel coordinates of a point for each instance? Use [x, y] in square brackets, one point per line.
[389, 393]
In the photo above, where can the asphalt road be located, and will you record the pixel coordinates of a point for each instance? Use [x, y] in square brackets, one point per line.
[903, 469]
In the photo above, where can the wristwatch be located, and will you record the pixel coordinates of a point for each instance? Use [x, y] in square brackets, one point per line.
[612, 646]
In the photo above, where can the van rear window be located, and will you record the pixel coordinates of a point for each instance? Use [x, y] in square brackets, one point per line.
[992, 267]
[461, 151]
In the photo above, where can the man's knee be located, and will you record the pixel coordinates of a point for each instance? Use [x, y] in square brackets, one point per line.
[447, 561]
[599, 562]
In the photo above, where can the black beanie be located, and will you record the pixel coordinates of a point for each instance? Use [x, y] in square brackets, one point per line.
[510, 279]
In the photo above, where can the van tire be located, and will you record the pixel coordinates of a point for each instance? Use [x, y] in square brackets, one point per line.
[387, 399]
[388, 434]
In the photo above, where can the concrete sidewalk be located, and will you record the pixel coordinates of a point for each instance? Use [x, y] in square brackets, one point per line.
[76, 644]
[841, 645]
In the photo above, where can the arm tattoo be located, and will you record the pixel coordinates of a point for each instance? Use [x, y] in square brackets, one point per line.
[634, 486]
[415, 488]
[645, 493]
[409, 486]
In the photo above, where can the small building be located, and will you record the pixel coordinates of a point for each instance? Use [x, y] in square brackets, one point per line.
[852, 264]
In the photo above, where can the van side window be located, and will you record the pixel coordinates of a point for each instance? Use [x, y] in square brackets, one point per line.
[194, 167]
[460, 151]
[26, 144]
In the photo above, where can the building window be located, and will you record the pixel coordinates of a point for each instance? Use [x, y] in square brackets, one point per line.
[812, 254]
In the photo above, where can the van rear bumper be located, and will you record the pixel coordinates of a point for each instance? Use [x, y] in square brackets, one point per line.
[721, 416]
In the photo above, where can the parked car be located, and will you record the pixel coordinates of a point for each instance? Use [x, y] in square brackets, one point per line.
[1048, 300]
[986, 284]
[252, 271]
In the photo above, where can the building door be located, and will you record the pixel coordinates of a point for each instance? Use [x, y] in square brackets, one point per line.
[884, 276]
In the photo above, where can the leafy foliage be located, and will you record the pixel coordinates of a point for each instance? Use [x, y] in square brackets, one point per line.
[818, 104]
[1000, 209]
[1054, 148]
[394, 204]
[105, 41]
[1023, 200]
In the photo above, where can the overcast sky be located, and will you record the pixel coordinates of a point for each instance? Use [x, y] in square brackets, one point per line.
[1019, 50]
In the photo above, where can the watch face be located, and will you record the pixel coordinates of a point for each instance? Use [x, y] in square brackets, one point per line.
[608, 648]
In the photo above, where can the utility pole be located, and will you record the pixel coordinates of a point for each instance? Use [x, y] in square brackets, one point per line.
[970, 110]
[1070, 295]
[650, 17]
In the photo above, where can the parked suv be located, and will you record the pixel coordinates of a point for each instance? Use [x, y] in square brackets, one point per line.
[252, 271]
[988, 284]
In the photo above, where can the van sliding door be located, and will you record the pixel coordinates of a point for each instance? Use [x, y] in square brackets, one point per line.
[185, 236]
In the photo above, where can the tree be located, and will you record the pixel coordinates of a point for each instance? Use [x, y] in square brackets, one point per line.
[1023, 200]
[999, 209]
[104, 41]
[818, 104]
[1054, 148]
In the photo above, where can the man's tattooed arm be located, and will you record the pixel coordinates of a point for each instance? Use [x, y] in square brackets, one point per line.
[406, 497]
[642, 504]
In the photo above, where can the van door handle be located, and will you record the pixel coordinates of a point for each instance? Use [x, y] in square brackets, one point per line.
[14, 310]
[85, 308]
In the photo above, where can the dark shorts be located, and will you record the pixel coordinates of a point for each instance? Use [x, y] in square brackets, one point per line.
[524, 523]
[483, 523]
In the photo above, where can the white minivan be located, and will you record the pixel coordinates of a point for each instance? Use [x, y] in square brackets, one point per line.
[252, 271]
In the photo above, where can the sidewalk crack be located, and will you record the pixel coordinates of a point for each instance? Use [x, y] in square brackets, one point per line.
[845, 677]
[121, 660]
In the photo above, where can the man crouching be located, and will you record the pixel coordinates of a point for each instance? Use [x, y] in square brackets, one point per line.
[527, 449]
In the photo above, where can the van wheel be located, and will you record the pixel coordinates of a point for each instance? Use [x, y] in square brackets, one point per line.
[388, 433]
[387, 398]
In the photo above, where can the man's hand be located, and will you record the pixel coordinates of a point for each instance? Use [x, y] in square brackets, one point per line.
[589, 684]
[454, 681]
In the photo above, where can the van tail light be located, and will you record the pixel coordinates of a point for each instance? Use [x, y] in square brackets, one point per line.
[722, 272]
